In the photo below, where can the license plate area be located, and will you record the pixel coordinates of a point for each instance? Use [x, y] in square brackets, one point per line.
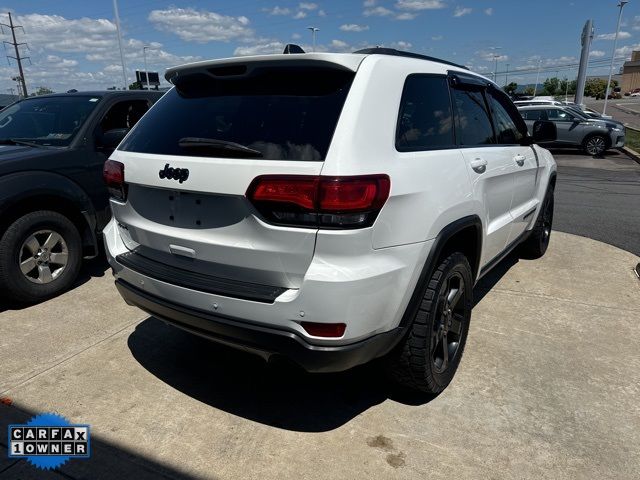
[188, 210]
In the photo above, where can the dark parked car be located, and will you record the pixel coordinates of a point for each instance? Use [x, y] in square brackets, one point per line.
[53, 202]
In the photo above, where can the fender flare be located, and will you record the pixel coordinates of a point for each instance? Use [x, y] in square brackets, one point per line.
[434, 254]
[19, 187]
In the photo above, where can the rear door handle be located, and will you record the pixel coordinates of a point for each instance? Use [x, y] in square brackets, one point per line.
[479, 165]
[519, 159]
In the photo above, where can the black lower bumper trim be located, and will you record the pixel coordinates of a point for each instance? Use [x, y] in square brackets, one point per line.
[267, 341]
[199, 281]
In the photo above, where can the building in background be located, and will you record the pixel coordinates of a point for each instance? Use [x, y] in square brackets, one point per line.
[631, 73]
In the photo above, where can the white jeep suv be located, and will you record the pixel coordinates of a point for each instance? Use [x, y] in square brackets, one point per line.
[330, 208]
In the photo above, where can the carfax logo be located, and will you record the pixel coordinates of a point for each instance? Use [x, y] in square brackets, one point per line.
[48, 440]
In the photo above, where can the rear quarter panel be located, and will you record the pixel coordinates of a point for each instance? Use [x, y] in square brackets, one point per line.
[429, 189]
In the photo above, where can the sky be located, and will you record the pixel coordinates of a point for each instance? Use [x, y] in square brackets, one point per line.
[73, 43]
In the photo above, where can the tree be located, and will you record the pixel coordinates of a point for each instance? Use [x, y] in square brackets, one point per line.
[511, 88]
[44, 91]
[595, 87]
[528, 91]
[573, 86]
[550, 86]
[135, 86]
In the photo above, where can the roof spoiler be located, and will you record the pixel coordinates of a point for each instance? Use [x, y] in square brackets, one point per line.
[293, 48]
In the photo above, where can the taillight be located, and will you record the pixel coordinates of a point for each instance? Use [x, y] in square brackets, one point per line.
[315, 201]
[113, 174]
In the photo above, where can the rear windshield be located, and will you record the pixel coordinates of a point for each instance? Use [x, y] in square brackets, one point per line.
[283, 113]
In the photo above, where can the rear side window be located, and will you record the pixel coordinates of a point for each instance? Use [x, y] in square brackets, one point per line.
[473, 122]
[283, 113]
[425, 120]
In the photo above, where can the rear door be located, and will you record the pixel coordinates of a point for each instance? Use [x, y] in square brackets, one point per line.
[186, 203]
[490, 166]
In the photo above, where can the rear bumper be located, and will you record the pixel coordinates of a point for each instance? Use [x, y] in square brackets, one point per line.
[259, 339]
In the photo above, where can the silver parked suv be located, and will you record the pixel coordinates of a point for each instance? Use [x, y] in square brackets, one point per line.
[331, 208]
[576, 129]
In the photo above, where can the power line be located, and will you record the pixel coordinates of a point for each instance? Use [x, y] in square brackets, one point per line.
[21, 80]
[568, 66]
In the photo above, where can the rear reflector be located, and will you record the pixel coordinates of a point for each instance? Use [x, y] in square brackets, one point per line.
[315, 201]
[113, 174]
[332, 330]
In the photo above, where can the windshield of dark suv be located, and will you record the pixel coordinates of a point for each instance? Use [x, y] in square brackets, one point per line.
[274, 113]
[52, 121]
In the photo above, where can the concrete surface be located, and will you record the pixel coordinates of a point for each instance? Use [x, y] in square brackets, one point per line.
[599, 198]
[548, 389]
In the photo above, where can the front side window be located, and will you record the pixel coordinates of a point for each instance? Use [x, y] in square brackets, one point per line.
[425, 120]
[507, 132]
[473, 122]
[558, 115]
[52, 121]
[534, 114]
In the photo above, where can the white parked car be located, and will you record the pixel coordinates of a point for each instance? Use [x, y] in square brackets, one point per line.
[538, 102]
[331, 208]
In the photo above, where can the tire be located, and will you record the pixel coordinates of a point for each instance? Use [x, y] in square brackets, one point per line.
[419, 361]
[595, 145]
[535, 246]
[33, 264]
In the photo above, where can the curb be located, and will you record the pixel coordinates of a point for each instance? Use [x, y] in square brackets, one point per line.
[632, 154]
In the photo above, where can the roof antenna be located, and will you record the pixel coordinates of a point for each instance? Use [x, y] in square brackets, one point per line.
[293, 48]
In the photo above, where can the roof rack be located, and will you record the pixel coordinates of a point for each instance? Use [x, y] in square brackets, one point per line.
[400, 53]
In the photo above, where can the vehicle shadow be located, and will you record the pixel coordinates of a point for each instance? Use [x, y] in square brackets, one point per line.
[486, 283]
[95, 267]
[277, 393]
[611, 153]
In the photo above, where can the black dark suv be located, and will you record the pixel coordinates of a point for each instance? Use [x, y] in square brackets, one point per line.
[53, 202]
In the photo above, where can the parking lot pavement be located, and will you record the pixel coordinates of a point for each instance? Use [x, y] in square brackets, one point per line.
[625, 110]
[599, 198]
[548, 388]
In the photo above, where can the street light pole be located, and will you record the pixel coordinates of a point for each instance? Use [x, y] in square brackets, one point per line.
[495, 57]
[506, 76]
[314, 30]
[124, 70]
[146, 72]
[535, 89]
[613, 55]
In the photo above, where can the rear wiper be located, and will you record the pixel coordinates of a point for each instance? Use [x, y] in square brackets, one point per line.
[15, 141]
[217, 144]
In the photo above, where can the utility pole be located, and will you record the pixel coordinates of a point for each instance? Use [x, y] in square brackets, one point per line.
[17, 58]
[613, 56]
[124, 70]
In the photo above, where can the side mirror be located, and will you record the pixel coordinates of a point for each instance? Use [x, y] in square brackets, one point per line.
[544, 131]
[112, 138]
